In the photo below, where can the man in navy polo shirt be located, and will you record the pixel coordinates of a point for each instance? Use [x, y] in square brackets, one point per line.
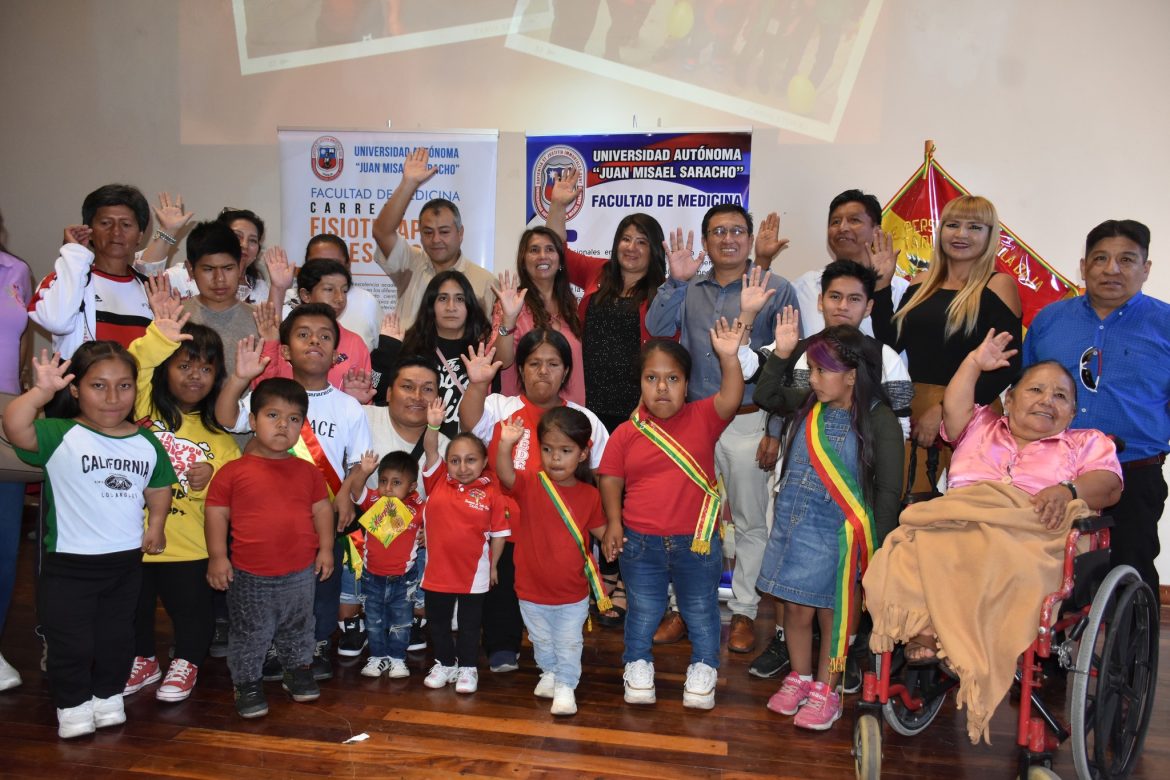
[1116, 342]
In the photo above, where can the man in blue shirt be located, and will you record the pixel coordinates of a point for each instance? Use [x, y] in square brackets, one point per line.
[689, 303]
[1116, 341]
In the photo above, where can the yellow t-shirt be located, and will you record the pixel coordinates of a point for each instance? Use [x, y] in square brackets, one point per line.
[191, 443]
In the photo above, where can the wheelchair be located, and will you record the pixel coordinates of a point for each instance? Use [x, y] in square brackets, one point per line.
[1100, 627]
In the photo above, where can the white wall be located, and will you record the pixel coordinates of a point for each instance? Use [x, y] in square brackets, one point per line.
[1057, 110]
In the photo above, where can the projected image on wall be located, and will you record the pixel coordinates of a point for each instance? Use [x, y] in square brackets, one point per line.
[788, 63]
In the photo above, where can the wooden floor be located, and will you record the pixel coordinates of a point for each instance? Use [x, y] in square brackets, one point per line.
[502, 731]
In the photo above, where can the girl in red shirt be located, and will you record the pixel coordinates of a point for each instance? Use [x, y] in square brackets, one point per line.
[465, 523]
[559, 507]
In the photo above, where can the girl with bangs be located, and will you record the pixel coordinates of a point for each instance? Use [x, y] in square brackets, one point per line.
[837, 498]
[945, 313]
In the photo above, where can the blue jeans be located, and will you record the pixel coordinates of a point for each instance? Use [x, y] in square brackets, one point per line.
[389, 610]
[11, 508]
[555, 631]
[326, 597]
[420, 565]
[649, 564]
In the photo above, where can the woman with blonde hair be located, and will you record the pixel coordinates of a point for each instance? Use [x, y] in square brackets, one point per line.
[945, 313]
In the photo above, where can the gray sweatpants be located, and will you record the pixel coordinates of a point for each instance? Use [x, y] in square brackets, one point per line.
[266, 611]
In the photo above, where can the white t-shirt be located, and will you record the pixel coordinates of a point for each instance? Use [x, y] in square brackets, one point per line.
[362, 315]
[497, 407]
[808, 289]
[386, 440]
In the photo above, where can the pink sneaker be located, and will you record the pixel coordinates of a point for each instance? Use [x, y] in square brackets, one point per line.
[144, 672]
[793, 693]
[822, 709]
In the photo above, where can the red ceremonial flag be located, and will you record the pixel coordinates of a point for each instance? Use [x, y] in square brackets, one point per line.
[911, 216]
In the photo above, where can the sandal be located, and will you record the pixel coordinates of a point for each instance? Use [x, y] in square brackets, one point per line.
[615, 616]
[922, 650]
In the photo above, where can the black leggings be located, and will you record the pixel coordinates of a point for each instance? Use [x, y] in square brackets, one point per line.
[183, 588]
[463, 649]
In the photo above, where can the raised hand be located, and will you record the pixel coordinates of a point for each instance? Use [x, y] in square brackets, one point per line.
[882, 256]
[267, 321]
[436, 412]
[368, 464]
[78, 234]
[725, 338]
[170, 321]
[164, 300]
[991, 354]
[415, 170]
[768, 240]
[754, 293]
[169, 216]
[511, 298]
[358, 383]
[281, 270]
[49, 372]
[511, 432]
[680, 256]
[480, 364]
[787, 331]
[565, 187]
[250, 358]
[391, 328]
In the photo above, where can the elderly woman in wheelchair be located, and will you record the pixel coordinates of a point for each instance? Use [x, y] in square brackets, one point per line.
[962, 579]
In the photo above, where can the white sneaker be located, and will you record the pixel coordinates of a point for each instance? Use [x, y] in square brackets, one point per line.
[699, 690]
[440, 675]
[546, 688]
[564, 701]
[75, 721]
[9, 677]
[109, 711]
[376, 666]
[398, 669]
[639, 682]
[468, 680]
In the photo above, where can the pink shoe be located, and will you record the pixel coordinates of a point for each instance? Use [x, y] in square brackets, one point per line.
[822, 709]
[793, 693]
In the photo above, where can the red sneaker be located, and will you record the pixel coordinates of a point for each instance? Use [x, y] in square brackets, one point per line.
[181, 676]
[144, 672]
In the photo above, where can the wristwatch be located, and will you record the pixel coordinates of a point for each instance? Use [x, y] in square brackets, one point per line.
[1071, 488]
[505, 331]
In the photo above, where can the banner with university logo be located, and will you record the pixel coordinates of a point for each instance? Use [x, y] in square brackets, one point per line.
[672, 176]
[911, 217]
[334, 181]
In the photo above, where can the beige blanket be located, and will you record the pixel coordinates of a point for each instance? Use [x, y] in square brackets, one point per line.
[974, 567]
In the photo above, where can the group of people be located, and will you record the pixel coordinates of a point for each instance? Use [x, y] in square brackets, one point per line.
[277, 459]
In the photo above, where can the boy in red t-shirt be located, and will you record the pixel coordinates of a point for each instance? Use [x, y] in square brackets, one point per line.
[282, 536]
[390, 576]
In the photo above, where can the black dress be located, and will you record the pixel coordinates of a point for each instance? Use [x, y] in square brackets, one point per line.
[610, 347]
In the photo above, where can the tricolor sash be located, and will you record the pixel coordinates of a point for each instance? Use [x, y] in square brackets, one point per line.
[854, 540]
[591, 573]
[709, 511]
[308, 447]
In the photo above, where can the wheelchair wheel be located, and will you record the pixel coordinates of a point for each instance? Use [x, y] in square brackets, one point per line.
[867, 748]
[922, 681]
[1114, 679]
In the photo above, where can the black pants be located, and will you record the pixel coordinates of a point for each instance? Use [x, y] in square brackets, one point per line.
[1134, 537]
[186, 596]
[502, 622]
[440, 608]
[86, 607]
[327, 597]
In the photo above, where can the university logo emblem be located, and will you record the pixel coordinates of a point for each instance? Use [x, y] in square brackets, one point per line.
[328, 158]
[551, 163]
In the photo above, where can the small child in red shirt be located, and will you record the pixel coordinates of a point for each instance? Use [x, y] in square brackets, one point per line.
[465, 523]
[559, 508]
[390, 576]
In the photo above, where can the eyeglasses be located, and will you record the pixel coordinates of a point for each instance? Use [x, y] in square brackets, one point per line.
[1090, 376]
[735, 230]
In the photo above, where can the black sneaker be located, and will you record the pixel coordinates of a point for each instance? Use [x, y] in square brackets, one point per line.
[273, 670]
[353, 637]
[250, 701]
[219, 640]
[773, 662]
[418, 634]
[322, 665]
[855, 663]
[300, 685]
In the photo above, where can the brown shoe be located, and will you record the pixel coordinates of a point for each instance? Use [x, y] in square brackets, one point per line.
[671, 629]
[741, 637]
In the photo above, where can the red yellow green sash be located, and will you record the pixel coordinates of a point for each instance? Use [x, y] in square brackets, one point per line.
[709, 511]
[591, 573]
[854, 540]
[308, 447]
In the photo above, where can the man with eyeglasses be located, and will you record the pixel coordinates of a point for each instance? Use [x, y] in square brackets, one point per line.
[689, 303]
[1116, 341]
